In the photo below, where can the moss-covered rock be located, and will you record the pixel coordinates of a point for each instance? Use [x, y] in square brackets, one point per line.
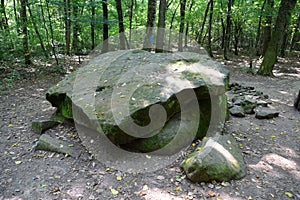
[218, 158]
[123, 92]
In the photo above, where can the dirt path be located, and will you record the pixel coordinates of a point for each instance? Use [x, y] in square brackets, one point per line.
[271, 150]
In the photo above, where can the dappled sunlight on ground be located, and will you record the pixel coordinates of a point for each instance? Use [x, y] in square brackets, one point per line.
[271, 162]
[156, 193]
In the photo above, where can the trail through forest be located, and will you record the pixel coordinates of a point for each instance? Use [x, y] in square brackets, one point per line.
[270, 148]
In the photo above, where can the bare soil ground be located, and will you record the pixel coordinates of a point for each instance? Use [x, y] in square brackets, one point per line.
[271, 150]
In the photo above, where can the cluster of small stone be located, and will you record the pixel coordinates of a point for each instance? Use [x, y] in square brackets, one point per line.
[243, 100]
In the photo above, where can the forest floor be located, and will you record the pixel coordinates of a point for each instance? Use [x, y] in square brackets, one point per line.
[271, 150]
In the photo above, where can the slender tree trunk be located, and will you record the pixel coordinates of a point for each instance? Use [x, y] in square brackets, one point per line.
[25, 32]
[93, 23]
[223, 33]
[4, 20]
[171, 27]
[186, 35]
[130, 19]
[37, 32]
[268, 27]
[237, 33]
[51, 32]
[16, 14]
[283, 17]
[296, 34]
[228, 30]
[75, 42]
[181, 26]
[121, 24]
[44, 22]
[284, 43]
[209, 49]
[105, 26]
[149, 39]
[160, 38]
[258, 32]
[67, 9]
[199, 36]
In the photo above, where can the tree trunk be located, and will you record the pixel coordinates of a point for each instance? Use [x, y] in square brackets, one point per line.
[283, 17]
[171, 27]
[121, 24]
[75, 42]
[181, 26]
[44, 23]
[130, 19]
[228, 30]
[186, 35]
[37, 32]
[237, 33]
[160, 38]
[4, 20]
[51, 32]
[209, 50]
[296, 35]
[199, 36]
[93, 23]
[25, 32]
[268, 27]
[105, 27]
[258, 33]
[149, 39]
[67, 10]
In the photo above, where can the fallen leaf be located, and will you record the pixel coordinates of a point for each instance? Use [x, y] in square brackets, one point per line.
[119, 178]
[10, 125]
[250, 198]
[18, 162]
[211, 193]
[272, 195]
[228, 142]
[257, 128]
[114, 192]
[290, 195]
[145, 187]
[273, 136]
[178, 188]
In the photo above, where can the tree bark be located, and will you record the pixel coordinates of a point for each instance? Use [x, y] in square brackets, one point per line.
[283, 17]
[160, 38]
[181, 26]
[25, 32]
[105, 27]
[149, 39]
[121, 24]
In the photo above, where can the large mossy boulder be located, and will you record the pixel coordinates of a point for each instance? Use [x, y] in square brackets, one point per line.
[217, 158]
[139, 99]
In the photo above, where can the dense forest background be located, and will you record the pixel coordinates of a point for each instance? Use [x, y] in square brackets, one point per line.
[51, 29]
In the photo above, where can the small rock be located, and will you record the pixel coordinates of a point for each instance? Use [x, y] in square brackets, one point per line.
[266, 113]
[237, 111]
[160, 177]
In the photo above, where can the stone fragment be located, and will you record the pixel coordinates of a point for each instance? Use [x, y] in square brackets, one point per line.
[217, 158]
[266, 113]
[237, 111]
